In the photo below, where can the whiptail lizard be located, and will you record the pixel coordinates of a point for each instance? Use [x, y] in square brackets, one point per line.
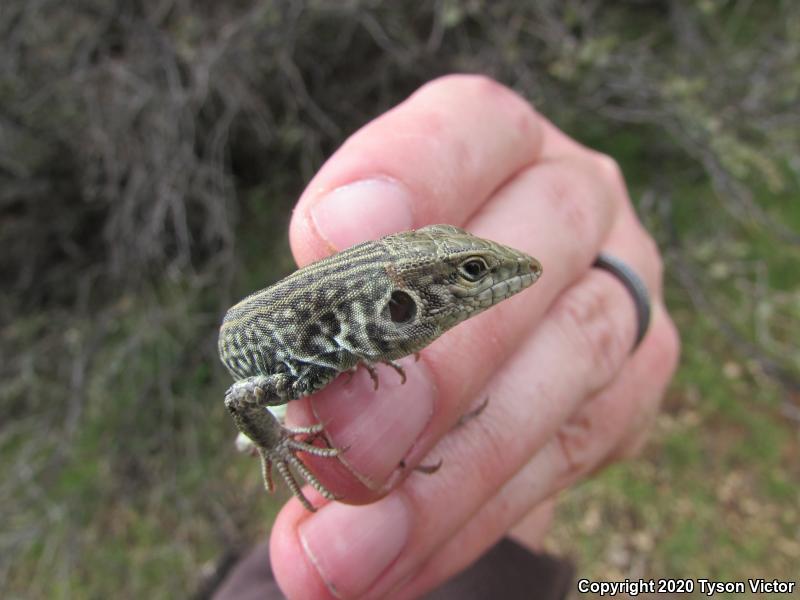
[372, 303]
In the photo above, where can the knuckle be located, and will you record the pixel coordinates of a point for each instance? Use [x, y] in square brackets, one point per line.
[609, 167]
[463, 101]
[478, 83]
[611, 174]
[587, 318]
[460, 83]
[645, 257]
[666, 346]
[482, 87]
[653, 257]
[573, 442]
[650, 248]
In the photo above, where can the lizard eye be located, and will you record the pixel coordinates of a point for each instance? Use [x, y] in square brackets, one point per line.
[473, 269]
[402, 307]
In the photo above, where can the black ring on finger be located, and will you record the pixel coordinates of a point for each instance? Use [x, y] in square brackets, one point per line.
[635, 286]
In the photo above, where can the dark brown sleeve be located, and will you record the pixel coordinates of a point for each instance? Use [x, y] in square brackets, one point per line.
[511, 572]
[506, 571]
[250, 579]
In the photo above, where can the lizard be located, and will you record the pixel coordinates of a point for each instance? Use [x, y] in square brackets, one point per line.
[375, 302]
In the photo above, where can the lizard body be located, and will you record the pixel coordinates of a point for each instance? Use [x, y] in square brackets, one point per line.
[373, 303]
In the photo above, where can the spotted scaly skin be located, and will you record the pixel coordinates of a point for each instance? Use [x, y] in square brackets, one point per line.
[373, 303]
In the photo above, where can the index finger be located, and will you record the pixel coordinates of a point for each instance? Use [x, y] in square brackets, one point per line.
[435, 158]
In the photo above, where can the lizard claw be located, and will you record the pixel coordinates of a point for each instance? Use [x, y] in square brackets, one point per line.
[399, 368]
[373, 374]
[468, 416]
[429, 469]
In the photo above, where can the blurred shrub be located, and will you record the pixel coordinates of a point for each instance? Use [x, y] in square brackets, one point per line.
[128, 126]
[142, 140]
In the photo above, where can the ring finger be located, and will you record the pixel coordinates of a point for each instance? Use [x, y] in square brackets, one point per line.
[580, 446]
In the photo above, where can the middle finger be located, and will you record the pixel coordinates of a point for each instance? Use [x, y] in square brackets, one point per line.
[404, 422]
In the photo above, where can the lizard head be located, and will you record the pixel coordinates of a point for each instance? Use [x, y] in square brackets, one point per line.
[443, 275]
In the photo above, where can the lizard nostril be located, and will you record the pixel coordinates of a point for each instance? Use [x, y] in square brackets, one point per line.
[534, 266]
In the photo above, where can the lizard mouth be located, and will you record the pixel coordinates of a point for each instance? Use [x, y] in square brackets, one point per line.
[508, 287]
[525, 274]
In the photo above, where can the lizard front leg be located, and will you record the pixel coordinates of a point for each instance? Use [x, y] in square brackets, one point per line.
[248, 402]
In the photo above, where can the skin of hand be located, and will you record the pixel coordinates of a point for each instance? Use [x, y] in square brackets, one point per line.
[566, 395]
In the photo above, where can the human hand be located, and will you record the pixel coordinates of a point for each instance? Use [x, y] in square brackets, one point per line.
[567, 396]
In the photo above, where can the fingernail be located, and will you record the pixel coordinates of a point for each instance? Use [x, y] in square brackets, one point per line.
[363, 210]
[378, 428]
[351, 546]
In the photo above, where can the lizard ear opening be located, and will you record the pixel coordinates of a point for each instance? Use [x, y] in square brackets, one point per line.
[402, 307]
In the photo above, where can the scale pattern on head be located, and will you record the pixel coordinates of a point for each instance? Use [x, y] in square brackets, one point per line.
[442, 275]
[377, 301]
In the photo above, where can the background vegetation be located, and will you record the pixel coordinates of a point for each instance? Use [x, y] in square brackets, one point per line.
[151, 152]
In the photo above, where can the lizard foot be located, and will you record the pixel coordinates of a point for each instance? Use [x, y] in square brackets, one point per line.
[275, 443]
[283, 455]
